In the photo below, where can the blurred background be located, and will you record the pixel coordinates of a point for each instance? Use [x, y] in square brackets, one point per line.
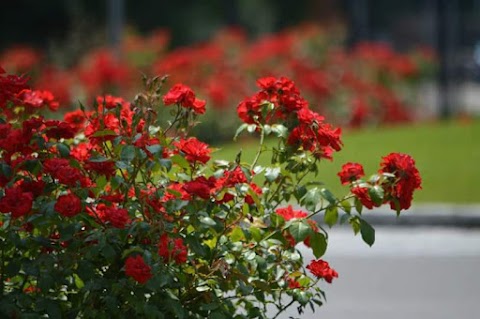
[398, 76]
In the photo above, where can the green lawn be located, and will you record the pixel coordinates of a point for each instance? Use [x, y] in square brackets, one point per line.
[447, 156]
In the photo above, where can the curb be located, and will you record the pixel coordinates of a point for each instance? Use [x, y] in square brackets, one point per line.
[433, 215]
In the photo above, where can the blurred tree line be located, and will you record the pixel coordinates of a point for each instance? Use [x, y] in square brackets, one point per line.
[77, 25]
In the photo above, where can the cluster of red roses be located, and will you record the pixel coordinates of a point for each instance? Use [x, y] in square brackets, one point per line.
[279, 101]
[400, 178]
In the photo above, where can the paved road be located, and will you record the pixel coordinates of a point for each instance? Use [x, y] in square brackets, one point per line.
[425, 273]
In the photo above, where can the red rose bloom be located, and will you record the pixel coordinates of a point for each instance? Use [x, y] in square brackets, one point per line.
[321, 269]
[174, 249]
[69, 176]
[75, 118]
[362, 194]
[118, 217]
[200, 187]
[183, 95]
[293, 284]
[34, 187]
[136, 268]
[16, 201]
[179, 94]
[289, 213]
[194, 150]
[58, 130]
[52, 165]
[404, 169]
[68, 205]
[350, 172]
[106, 168]
[110, 102]
[37, 99]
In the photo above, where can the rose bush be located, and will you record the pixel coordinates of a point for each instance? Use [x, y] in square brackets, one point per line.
[107, 214]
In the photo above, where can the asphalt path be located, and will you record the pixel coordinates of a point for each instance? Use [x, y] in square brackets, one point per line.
[419, 272]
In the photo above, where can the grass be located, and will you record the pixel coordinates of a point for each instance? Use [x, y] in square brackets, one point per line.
[447, 155]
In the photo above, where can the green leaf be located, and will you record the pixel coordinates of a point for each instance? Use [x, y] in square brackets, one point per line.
[331, 216]
[318, 243]
[108, 252]
[104, 133]
[251, 128]
[240, 129]
[256, 233]
[180, 161]
[154, 149]
[78, 281]
[53, 310]
[63, 149]
[176, 308]
[376, 194]
[167, 163]
[152, 312]
[311, 199]
[276, 220]
[122, 165]
[328, 195]
[358, 205]
[207, 220]
[280, 130]
[33, 166]
[355, 223]
[300, 230]
[237, 234]
[98, 159]
[128, 153]
[6, 170]
[272, 173]
[368, 233]
[347, 206]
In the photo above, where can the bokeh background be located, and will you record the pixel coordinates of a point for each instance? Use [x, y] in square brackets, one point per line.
[399, 76]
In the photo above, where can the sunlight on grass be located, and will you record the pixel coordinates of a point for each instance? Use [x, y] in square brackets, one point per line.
[447, 156]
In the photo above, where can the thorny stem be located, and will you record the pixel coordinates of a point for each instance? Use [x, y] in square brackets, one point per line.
[260, 148]
[284, 308]
[175, 120]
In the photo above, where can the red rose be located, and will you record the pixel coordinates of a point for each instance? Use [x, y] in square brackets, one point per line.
[289, 213]
[110, 102]
[118, 217]
[179, 94]
[68, 205]
[194, 150]
[58, 129]
[16, 201]
[200, 187]
[37, 99]
[183, 95]
[34, 187]
[69, 176]
[106, 168]
[136, 268]
[75, 118]
[321, 269]
[52, 165]
[293, 284]
[174, 249]
[350, 172]
[408, 178]
[362, 194]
